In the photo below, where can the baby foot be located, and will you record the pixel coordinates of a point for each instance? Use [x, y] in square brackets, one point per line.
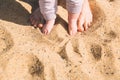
[37, 20]
[72, 23]
[72, 27]
[48, 26]
[85, 17]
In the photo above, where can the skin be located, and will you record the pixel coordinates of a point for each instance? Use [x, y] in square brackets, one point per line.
[72, 23]
[47, 27]
[85, 18]
[76, 22]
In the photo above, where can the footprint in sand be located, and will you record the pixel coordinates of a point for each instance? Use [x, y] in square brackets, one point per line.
[111, 35]
[101, 64]
[36, 68]
[6, 41]
[107, 66]
[96, 50]
[23, 67]
[89, 58]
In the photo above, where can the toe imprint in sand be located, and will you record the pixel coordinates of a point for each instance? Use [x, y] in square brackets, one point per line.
[110, 36]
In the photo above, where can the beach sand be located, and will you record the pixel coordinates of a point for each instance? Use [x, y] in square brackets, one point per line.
[27, 54]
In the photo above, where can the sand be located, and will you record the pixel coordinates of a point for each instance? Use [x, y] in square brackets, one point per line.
[27, 54]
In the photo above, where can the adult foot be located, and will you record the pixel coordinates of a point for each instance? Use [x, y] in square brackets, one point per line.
[48, 26]
[72, 23]
[85, 18]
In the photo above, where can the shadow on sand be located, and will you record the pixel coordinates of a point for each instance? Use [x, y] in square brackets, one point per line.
[12, 11]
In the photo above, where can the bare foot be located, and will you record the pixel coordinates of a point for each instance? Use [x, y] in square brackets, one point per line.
[37, 19]
[85, 18]
[48, 26]
[72, 23]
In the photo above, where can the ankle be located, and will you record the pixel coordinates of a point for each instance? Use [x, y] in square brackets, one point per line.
[73, 17]
[50, 21]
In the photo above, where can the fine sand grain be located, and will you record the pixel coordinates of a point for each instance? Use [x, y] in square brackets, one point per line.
[27, 54]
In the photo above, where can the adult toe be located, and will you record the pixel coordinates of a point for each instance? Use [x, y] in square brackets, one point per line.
[86, 26]
[80, 26]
